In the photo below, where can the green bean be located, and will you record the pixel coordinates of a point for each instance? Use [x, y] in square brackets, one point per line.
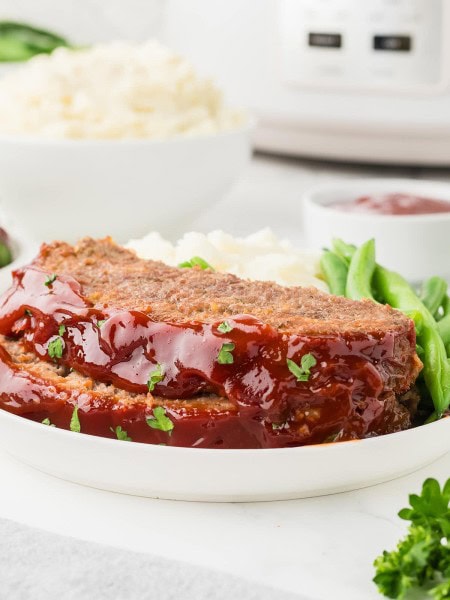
[334, 270]
[360, 272]
[20, 41]
[345, 251]
[394, 290]
[443, 327]
[367, 279]
[417, 317]
[434, 292]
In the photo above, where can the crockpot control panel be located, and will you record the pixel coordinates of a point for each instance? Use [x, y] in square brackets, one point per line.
[394, 44]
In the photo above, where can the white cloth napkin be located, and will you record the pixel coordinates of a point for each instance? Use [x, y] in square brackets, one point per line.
[37, 565]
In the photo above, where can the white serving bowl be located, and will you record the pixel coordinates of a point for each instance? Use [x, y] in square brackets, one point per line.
[416, 246]
[64, 189]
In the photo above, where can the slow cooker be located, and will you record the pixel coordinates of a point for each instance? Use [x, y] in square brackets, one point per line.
[338, 79]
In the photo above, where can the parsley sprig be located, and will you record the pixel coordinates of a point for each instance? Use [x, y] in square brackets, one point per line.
[75, 421]
[196, 261]
[160, 420]
[224, 327]
[155, 377]
[225, 356]
[421, 560]
[50, 279]
[302, 371]
[121, 434]
[55, 348]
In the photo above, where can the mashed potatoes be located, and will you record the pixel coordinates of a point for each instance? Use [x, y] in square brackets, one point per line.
[261, 256]
[116, 90]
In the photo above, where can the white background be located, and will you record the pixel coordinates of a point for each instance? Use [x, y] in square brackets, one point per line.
[322, 547]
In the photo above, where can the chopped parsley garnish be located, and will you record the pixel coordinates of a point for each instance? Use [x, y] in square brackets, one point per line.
[62, 330]
[101, 322]
[421, 561]
[334, 437]
[75, 421]
[225, 327]
[276, 426]
[55, 348]
[28, 313]
[302, 371]
[196, 261]
[160, 420]
[50, 279]
[156, 376]
[225, 356]
[121, 434]
[47, 422]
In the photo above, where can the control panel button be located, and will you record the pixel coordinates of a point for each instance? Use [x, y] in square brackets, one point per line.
[325, 40]
[377, 45]
[392, 43]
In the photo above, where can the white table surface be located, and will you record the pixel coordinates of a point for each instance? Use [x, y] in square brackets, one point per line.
[321, 547]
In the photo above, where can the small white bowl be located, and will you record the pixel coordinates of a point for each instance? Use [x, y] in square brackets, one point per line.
[417, 246]
[64, 189]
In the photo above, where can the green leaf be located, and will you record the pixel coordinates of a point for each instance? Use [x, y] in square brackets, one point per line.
[446, 490]
[156, 376]
[441, 591]
[422, 558]
[225, 327]
[47, 422]
[160, 420]
[225, 356]
[195, 261]
[75, 421]
[276, 426]
[50, 279]
[303, 371]
[55, 348]
[121, 434]
[101, 322]
[429, 507]
[62, 330]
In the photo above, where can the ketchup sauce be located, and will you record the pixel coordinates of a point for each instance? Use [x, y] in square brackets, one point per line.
[394, 204]
[344, 394]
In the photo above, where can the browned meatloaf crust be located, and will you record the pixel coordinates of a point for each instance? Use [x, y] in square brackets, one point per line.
[113, 276]
[158, 316]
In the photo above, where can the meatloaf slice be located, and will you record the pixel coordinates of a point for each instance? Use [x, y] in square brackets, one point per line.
[110, 275]
[299, 361]
[47, 392]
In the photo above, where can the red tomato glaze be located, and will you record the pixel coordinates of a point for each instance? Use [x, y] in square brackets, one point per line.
[394, 204]
[344, 394]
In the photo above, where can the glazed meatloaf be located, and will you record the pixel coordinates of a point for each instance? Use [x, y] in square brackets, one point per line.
[191, 357]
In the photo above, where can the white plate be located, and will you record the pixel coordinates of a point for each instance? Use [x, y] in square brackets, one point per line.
[221, 475]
